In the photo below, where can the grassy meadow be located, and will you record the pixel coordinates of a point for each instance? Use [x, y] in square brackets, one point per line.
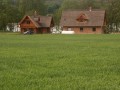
[59, 62]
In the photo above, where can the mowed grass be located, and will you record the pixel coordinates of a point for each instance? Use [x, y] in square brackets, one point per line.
[59, 62]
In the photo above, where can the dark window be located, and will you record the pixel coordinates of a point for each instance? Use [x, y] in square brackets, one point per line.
[28, 22]
[81, 29]
[25, 29]
[94, 29]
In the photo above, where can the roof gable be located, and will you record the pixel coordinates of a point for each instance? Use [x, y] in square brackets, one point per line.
[82, 17]
[39, 21]
[28, 18]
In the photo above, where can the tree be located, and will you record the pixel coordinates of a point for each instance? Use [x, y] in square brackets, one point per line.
[114, 15]
[11, 11]
[29, 6]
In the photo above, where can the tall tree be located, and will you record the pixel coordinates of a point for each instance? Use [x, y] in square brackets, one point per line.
[29, 6]
[8, 14]
[12, 11]
[114, 15]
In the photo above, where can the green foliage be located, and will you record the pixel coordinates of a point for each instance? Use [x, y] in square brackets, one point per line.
[51, 8]
[26, 6]
[13, 10]
[59, 62]
[114, 15]
[8, 14]
[80, 4]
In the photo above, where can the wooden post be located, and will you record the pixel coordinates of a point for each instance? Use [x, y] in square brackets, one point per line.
[22, 30]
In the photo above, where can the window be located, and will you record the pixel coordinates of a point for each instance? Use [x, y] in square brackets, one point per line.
[28, 22]
[94, 29]
[69, 29]
[81, 29]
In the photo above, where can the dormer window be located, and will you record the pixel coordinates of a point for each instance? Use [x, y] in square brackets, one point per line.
[82, 18]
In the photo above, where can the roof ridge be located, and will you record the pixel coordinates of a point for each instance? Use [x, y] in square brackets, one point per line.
[85, 10]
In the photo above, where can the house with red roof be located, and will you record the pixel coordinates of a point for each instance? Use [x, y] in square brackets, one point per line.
[83, 21]
[36, 24]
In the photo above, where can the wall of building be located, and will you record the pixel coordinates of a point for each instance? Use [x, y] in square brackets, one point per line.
[86, 30]
[36, 30]
[44, 30]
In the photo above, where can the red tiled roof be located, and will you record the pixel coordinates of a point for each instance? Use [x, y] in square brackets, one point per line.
[39, 21]
[95, 18]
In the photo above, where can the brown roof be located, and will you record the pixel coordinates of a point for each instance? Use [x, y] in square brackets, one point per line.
[40, 21]
[95, 18]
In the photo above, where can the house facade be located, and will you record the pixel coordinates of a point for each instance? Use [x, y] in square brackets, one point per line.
[36, 24]
[83, 22]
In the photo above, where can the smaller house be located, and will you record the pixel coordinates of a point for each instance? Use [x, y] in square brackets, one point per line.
[14, 27]
[83, 21]
[37, 24]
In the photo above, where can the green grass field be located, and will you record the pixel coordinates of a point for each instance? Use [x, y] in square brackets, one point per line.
[59, 62]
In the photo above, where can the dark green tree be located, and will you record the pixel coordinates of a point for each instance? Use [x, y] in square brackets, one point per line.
[30, 6]
[11, 11]
[113, 14]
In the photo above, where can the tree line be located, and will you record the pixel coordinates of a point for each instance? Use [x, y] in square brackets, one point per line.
[11, 11]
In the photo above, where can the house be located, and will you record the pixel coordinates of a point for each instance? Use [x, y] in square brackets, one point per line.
[83, 21]
[36, 24]
[14, 27]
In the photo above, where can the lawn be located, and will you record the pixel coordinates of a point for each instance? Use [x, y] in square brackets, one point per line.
[59, 62]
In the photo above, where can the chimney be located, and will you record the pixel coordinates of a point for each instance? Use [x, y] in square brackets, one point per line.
[90, 9]
[35, 13]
